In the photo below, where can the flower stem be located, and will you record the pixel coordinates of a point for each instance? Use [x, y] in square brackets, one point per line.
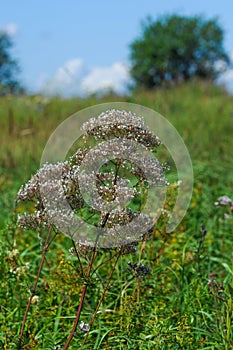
[84, 289]
[101, 298]
[77, 317]
[45, 248]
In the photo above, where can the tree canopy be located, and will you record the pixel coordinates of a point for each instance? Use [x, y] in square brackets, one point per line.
[175, 48]
[8, 67]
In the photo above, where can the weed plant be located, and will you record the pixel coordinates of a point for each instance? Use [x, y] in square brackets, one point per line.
[185, 299]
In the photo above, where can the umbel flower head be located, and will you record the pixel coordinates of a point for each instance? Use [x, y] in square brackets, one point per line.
[109, 192]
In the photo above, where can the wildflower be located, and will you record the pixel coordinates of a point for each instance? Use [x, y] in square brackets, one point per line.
[84, 327]
[72, 251]
[115, 123]
[93, 182]
[226, 216]
[21, 270]
[224, 200]
[35, 299]
[13, 253]
[203, 230]
[129, 248]
[139, 269]
[82, 248]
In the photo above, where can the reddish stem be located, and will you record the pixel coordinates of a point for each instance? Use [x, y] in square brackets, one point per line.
[101, 298]
[77, 317]
[84, 289]
[45, 248]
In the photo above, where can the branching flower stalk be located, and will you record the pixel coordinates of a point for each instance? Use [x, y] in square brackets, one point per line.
[103, 196]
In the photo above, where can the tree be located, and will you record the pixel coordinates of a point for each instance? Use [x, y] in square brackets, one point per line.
[177, 48]
[8, 67]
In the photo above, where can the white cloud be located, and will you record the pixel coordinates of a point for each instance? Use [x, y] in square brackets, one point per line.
[226, 78]
[74, 78]
[116, 77]
[9, 28]
[66, 80]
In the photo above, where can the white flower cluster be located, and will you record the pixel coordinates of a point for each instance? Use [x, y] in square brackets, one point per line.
[116, 123]
[223, 200]
[108, 118]
[21, 270]
[86, 183]
[84, 327]
[50, 188]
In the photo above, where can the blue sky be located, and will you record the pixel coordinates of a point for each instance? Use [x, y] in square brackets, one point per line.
[75, 46]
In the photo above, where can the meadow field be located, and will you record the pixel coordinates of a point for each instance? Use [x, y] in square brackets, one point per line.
[186, 299]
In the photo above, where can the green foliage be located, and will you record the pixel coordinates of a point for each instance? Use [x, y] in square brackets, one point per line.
[8, 67]
[176, 48]
[185, 302]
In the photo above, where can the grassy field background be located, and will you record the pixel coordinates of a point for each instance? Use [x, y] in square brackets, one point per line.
[186, 300]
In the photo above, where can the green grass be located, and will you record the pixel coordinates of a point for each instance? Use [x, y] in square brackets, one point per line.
[186, 300]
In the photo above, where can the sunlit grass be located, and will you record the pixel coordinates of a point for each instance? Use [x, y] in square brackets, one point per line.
[186, 300]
